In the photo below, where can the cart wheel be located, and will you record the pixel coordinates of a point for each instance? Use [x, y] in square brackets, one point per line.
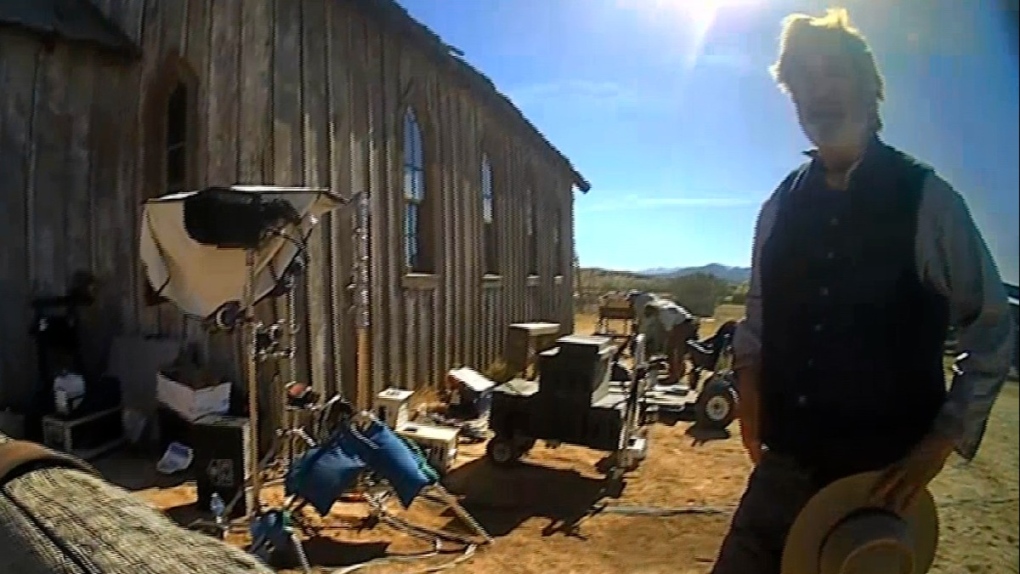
[502, 451]
[717, 404]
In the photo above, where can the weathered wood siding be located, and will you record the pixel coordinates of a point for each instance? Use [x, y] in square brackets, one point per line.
[425, 324]
[68, 198]
[289, 92]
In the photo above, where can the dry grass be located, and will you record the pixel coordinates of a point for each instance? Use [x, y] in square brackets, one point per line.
[723, 313]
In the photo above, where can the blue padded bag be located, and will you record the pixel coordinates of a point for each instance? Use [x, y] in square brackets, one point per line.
[386, 454]
[322, 474]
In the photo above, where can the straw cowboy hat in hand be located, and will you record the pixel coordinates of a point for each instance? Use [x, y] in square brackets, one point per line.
[838, 532]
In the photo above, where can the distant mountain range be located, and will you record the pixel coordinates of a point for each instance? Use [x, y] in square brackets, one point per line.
[724, 272]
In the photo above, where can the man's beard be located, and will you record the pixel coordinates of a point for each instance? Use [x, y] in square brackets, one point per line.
[835, 132]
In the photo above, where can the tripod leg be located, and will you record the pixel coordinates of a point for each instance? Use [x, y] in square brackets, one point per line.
[273, 449]
[299, 549]
[461, 512]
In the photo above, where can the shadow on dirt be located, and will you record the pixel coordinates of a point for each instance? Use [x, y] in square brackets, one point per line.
[702, 435]
[671, 418]
[501, 499]
[325, 552]
[136, 471]
[322, 550]
[186, 514]
[699, 433]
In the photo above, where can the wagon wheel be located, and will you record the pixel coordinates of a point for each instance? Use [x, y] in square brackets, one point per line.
[503, 451]
[717, 404]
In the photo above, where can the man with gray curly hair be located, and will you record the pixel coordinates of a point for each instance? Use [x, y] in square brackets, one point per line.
[862, 259]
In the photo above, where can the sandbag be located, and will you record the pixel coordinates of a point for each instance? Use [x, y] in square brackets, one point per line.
[321, 475]
[57, 516]
[390, 457]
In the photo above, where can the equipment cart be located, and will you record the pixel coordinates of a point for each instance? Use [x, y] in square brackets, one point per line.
[574, 401]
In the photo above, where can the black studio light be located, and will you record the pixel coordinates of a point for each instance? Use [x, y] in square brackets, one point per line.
[202, 250]
[230, 218]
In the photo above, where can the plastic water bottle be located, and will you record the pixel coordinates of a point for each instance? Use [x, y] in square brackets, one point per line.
[217, 507]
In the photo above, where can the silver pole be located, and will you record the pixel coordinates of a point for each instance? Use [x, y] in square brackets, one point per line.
[287, 370]
[251, 378]
[637, 389]
[362, 316]
[361, 312]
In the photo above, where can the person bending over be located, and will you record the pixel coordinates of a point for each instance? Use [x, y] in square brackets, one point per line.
[668, 327]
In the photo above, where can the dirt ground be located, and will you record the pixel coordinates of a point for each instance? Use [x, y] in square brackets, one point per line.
[537, 511]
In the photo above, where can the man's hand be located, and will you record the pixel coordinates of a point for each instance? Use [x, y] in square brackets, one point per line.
[747, 411]
[900, 484]
[752, 441]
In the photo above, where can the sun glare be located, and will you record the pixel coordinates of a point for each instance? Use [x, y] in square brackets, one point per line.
[697, 16]
[695, 9]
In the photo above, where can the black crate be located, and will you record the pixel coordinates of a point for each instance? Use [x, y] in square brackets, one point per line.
[579, 365]
[221, 445]
[563, 427]
[584, 345]
[605, 425]
[571, 398]
[513, 407]
[560, 415]
[86, 435]
[474, 397]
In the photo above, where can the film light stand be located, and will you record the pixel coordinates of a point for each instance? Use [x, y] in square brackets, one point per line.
[249, 338]
[274, 342]
[277, 342]
[361, 308]
[641, 380]
[253, 335]
[214, 253]
[262, 343]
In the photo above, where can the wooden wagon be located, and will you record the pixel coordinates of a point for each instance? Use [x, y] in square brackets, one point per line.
[616, 316]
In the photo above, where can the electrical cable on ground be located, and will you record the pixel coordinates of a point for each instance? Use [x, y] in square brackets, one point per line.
[436, 536]
[664, 512]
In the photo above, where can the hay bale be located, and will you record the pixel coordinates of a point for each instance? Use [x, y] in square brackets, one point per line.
[60, 520]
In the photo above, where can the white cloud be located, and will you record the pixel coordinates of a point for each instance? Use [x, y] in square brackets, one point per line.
[636, 202]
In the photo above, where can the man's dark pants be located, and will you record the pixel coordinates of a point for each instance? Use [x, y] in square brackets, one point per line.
[676, 348]
[776, 492]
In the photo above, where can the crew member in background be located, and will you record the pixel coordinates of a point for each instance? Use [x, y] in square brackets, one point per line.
[862, 259]
[638, 300]
[668, 327]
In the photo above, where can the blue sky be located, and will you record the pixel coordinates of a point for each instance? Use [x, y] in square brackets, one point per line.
[666, 106]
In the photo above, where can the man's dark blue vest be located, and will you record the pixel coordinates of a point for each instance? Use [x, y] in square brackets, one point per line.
[852, 374]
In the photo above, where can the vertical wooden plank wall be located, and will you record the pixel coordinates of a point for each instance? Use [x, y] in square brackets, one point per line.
[289, 92]
[422, 325]
[214, 48]
[317, 157]
[340, 79]
[64, 195]
[19, 59]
